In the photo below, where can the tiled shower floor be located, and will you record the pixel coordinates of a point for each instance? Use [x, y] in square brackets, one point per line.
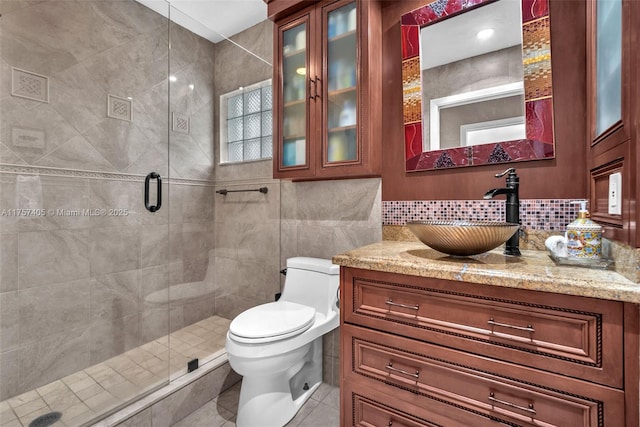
[95, 390]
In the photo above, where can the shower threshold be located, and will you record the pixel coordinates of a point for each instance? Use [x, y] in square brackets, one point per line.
[100, 389]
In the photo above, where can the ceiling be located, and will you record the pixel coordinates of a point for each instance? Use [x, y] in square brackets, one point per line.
[214, 20]
[455, 38]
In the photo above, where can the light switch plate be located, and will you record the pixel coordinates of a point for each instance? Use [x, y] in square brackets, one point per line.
[615, 194]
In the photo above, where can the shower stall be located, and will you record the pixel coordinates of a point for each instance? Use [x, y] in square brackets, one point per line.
[107, 191]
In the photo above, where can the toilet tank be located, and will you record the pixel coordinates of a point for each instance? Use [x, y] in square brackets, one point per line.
[313, 282]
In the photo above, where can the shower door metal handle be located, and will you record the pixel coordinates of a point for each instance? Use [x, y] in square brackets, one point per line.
[152, 208]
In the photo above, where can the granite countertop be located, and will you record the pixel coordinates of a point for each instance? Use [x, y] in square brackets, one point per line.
[534, 270]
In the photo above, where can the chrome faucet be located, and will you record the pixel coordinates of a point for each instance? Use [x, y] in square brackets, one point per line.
[512, 209]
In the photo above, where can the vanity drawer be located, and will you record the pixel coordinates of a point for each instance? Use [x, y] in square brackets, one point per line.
[370, 406]
[501, 392]
[367, 412]
[576, 336]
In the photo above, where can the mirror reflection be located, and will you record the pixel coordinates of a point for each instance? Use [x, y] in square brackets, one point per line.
[472, 78]
[477, 84]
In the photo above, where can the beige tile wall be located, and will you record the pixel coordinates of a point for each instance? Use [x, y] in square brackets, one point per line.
[321, 219]
[247, 225]
[235, 68]
[247, 249]
[255, 234]
[74, 290]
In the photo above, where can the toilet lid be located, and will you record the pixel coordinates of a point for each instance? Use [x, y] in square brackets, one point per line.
[272, 321]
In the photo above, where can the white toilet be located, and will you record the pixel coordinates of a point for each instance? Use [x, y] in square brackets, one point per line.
[277, 347]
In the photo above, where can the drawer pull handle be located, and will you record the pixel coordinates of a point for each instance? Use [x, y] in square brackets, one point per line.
[402, 371]
[529, 328]
[530, 409]
[396, 304]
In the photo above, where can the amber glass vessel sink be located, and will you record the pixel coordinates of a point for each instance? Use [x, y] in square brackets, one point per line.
[462, 238]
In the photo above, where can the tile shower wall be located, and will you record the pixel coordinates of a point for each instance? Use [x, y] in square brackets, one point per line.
[234, 68]
[535, 214]
[76, 289]
[247, 247]
[247, 225]
[192, 69]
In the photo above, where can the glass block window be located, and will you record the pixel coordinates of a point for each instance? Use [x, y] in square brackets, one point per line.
[246, 123]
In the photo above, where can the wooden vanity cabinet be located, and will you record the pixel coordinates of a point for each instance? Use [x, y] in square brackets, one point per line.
[419, 352]
[327, 89]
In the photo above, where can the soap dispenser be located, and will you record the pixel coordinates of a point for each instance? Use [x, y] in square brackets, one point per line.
[584, 237]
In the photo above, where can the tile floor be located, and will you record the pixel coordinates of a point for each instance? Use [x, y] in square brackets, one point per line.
[86, 394]
[321, 410]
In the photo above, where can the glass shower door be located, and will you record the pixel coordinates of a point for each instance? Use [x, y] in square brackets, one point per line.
[84, 266]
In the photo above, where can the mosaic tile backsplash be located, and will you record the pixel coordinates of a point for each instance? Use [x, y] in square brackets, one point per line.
[535, 214]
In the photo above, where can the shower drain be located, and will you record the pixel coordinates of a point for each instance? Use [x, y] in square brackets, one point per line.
[46, 419]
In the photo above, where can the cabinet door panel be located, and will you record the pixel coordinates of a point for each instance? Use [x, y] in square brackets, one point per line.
[339, 96]
[294, 97]
[366, 404]
[608, 65]
[371, 413]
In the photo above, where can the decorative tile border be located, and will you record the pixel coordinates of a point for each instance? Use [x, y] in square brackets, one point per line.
[76, 173]
[535, 214]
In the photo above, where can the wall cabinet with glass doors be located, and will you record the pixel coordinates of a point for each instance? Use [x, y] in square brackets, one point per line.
[613, 95]
[327, 90]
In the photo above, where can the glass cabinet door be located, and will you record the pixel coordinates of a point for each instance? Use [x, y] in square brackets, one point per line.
[608, 64]
[340, 95]
[294, 106]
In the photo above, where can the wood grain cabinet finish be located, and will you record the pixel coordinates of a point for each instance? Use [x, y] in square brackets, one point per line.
[327, 89]
[371, 408]
[465, 354]
[581, 337]
[503, 392]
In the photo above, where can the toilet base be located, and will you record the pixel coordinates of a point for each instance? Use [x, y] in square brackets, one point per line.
[273, 400]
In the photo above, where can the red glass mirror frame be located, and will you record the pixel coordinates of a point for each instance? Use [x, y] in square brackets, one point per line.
[538, 88]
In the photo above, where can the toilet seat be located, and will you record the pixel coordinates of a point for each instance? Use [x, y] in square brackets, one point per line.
[271, 322]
